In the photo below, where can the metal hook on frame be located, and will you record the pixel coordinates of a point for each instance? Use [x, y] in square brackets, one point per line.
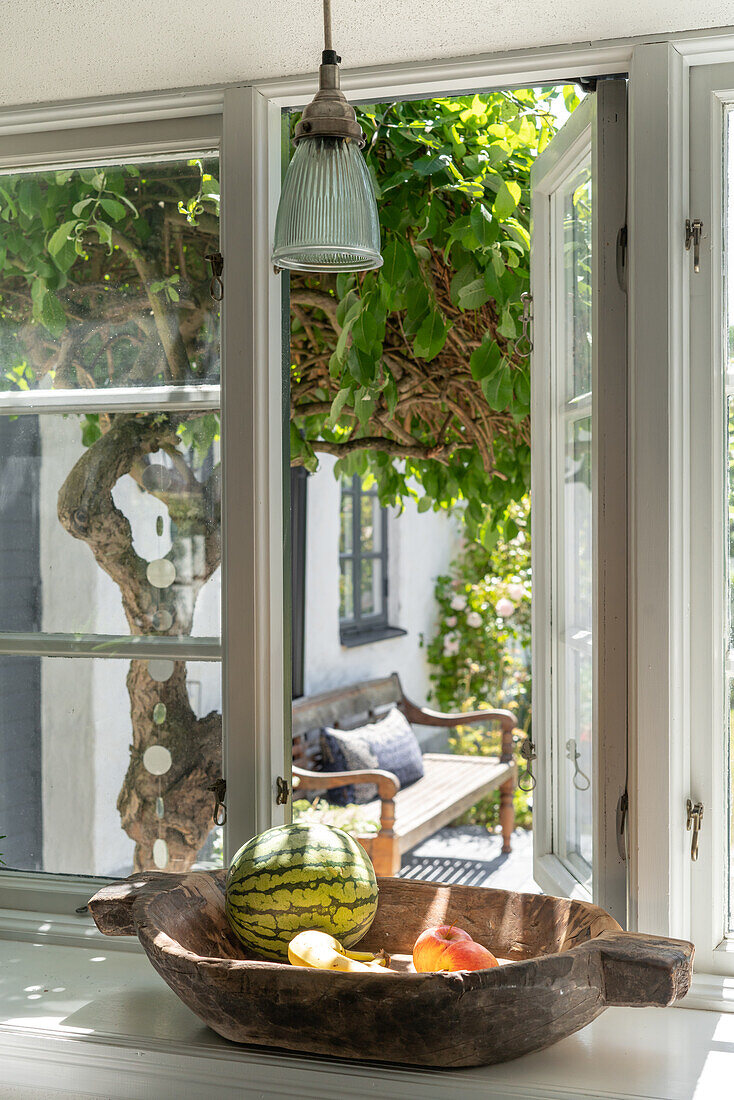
[524, 346]
[219, 787]
[216, 286]
[581, 780]
[527, 780]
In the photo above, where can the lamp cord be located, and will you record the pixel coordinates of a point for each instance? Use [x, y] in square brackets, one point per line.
[327, 25]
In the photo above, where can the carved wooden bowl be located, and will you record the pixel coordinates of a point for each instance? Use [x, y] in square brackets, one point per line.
[566, 962]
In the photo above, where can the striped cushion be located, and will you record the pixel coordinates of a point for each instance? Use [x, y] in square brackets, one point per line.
[389, 745]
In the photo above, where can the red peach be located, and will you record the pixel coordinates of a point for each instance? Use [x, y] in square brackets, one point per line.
[450, 948]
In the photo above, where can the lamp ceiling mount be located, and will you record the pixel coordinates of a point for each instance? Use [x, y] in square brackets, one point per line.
[329, 114]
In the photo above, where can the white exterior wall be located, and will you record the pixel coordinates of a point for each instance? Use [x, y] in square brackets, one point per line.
[420, 547]
[85, 708]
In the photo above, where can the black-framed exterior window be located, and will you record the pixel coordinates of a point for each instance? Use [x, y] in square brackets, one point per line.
[363, 566]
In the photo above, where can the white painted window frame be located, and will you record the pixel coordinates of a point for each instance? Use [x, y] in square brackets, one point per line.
[712, 93]
[596, 132]
[251, 646]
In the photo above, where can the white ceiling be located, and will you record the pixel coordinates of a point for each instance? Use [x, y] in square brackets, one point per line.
[61, 49]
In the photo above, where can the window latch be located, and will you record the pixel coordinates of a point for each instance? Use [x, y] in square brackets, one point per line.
[216, 264]
[694, 819]
[219, 788]
[694, 234]
[622, 811]
[282, 791]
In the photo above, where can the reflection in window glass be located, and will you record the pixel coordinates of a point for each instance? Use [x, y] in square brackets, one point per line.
[103, 277]
[109, 519]
[101, 534]
[98, 757]
[577, 279]
[574, 758]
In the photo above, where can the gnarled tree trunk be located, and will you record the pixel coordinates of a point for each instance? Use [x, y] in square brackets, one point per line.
[87, 510]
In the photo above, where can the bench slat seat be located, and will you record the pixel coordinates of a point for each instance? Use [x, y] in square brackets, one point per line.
[450, 785]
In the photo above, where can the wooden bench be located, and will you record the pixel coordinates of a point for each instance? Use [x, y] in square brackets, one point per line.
[450, 785]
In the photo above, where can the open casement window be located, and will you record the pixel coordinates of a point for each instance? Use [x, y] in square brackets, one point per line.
[712, 514]
[579, 503]
[122, 444]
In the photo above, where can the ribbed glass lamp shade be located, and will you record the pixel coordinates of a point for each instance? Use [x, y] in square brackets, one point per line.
[327, 218]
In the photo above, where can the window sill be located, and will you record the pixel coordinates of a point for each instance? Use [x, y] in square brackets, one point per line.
[366, 637]
[87, 1022]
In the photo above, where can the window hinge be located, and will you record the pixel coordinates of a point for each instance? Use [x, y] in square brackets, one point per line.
[282, 791]
[694, 820]
[694, 235]
[622, 811]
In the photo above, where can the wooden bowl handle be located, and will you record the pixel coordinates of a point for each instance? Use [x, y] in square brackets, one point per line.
[641, 970]
[112, 906]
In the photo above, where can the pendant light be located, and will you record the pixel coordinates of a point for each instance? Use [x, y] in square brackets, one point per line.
[327, 217]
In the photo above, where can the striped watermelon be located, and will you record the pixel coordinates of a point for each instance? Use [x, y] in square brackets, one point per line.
[296, 877]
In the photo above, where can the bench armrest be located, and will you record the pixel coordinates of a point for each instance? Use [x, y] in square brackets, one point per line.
[423, 716]
[388, 784]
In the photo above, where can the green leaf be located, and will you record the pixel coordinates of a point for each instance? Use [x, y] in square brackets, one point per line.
[52, 314]
[336, 407]
[430, 337]
[473, 295]
[395, 263]
[507, 199]
[364, 331]
[79, 207]
[484, 359]
[364, 406]
[30, 199]
[104, 232]
[497, 389]
[60, 239]
[507, 327]
[428, 166]
[482, 225]
[341, 344]
[113, 208]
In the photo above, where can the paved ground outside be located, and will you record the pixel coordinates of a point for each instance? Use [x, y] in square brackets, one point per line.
[470, 856]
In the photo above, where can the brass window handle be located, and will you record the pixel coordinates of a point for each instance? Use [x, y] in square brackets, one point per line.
[694, 819]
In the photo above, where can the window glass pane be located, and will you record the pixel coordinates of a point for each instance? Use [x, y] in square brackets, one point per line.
[371, 526]
[346, 591]
[578, 525]
[105, 764]
[579, 805]
[346, 527]
[371, 587]
[110, 523]
[103, 279]
[573, 743]
[576, 198]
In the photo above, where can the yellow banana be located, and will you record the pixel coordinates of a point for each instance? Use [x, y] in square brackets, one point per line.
[322, 952]
[381, 958]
